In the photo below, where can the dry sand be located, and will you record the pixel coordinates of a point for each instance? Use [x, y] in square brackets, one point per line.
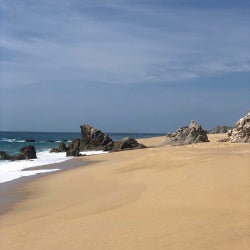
[188, 197]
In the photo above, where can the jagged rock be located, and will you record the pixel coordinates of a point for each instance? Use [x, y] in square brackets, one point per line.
[95, 139]
[126, 144]
[61, 148]
[74, 148]
[219, 130]
[240, 132]
[193, 133]
[4, 156]
[28, 152]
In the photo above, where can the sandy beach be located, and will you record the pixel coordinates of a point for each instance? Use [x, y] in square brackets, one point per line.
[162, 197]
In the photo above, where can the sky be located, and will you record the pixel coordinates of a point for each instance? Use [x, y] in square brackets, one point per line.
[122, 65]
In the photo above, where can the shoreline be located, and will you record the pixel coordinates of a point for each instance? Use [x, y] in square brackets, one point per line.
[162, 197]
[11, 192]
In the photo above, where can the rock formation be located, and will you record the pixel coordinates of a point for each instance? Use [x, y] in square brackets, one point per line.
[26, 153]
[219, 130]
[74, 148]
[4, 156]
[187, 135]
[240, 132]
[95, 139]
[126, 144]
[61, 148]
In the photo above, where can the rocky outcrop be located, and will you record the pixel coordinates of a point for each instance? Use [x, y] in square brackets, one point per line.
[126, 144]
[240, 132]
[74, 148]
[4, 156]
[26, 153]
[61, 148]
[219, 130]
[94, 139]
[193, 133]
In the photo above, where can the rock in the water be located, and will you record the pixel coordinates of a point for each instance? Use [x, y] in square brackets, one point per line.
[219, 130]
[61, 148]
[126, 144]
[50, 141]
[193, 133]
[240, 132]
[5, 156]
[28, 152]
[30, 140]
[94, 139]
[74, 148]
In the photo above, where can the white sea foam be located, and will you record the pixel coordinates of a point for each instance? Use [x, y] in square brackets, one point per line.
[10, 140]
[93, 152]
[11, 170]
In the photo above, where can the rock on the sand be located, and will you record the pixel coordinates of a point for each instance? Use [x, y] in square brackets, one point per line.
[240, 132]
[193, 133]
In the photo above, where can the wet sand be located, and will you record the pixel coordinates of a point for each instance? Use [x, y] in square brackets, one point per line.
[163, 197]
[11, 191]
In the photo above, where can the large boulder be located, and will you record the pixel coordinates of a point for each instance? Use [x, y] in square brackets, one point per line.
[240, 132]
[126, 144]
[26, 153]
[95, 139]
[74, 148]
[61, 148]
[4, 156]
[193, 133]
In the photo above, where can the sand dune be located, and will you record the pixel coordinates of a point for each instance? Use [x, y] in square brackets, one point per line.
[162, 197]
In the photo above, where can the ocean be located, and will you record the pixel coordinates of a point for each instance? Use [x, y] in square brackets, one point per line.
[11, 142]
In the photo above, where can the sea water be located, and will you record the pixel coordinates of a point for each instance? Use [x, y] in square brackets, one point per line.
[11, 142]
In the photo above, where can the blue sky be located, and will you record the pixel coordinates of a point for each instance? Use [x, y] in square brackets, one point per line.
[123, 65]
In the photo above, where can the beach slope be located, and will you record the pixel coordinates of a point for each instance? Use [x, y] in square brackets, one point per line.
[163, 197]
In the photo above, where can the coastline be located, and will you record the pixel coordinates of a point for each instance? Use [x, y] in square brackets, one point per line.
[162, 197]
[11, 192]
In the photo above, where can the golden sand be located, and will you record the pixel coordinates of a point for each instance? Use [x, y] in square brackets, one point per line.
[187, 197]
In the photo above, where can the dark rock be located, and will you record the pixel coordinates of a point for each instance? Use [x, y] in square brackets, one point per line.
[94, 139]
[5, 156]
[219, 130]
[61, 148]
[193, 133]
[74, 148]
[126, 144]
[240, 132]
[28, 152]
[30, 140]
[50, 141]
